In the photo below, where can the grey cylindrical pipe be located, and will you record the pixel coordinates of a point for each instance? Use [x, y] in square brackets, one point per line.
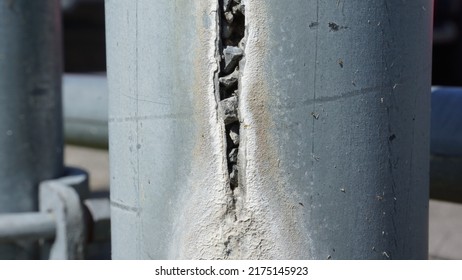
[27, 226]
[334, 130]
[85, 110]
[31, 141]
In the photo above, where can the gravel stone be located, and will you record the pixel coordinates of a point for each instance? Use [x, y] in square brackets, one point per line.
[234, 134]
[229, 17]
[233, 155]
[233, 179]
[230, 80]
[232, 56]
[229, 109]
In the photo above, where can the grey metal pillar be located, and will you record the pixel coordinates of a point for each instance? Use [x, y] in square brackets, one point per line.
[30, 107]
[333, 112]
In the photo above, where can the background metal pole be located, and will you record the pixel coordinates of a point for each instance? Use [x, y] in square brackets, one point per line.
[31, 135]
[334, 108]
[85, 110]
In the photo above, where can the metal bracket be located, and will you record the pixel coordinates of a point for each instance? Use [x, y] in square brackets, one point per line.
[68, 223]
[61, 197]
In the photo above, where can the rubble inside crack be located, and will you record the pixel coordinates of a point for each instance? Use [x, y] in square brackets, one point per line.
[229, 17]
[227, 5]
[239, 8]
[234, 134]
[233, 156]
[232, 51]
[232, 56]
[226, 31]
[233, 177]
[230, 80]
[228, 108]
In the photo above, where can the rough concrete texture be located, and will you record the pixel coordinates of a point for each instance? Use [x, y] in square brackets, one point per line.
[333, 149]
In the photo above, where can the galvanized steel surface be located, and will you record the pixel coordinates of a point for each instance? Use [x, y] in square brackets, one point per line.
[334, 150]
[339, 124]
[165, 138]
[30, 106]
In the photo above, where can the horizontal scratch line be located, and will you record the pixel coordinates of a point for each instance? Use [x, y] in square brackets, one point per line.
[145, 100]
[124, 207]
[149, 117]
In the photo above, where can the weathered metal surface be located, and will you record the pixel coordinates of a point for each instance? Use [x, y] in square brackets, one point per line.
[27, 226]
[336, 121]
[30, 107]
[168, 175]
[333, 140]
[85, 116]
[85, 110]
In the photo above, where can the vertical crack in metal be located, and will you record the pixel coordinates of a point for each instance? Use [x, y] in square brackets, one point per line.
[232, 28]
[231, 24]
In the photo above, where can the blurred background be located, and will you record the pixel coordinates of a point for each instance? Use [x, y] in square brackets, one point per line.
[446, 216]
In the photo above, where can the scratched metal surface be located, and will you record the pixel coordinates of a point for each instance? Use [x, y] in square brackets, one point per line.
[31, 142]
[334, 110]
[348, 104]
